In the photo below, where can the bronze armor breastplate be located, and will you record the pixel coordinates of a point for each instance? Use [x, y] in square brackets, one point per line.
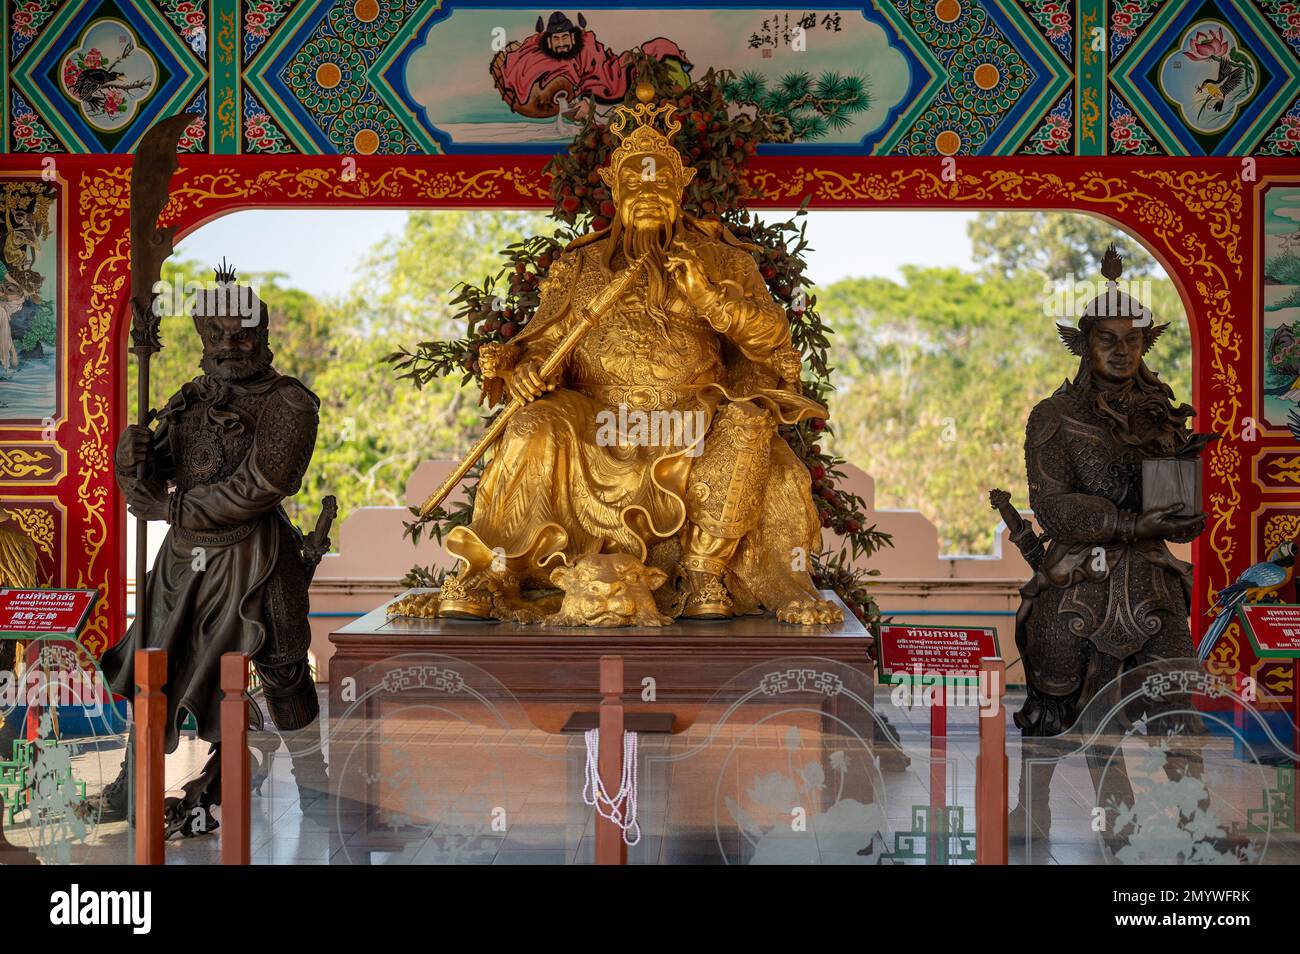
[204, 451]
[1102, 467]
[633, 347]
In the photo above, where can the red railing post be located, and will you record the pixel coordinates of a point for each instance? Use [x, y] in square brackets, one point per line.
[991, 795]
[150, 735]
[235, 797]
[937, 853]
[610, 847]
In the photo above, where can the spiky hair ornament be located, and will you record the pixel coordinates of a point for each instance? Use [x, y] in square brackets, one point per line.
[224, 273]
[230, 299]
[1112, 303]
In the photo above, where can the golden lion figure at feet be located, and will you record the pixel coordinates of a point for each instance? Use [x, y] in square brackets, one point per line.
[418, 605]
[810, 612]
[601, 589]
[608, 589]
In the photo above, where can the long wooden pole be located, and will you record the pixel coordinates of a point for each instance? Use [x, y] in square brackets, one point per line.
[151, 173]
[150, 735]
[586, 319]
[938, 844]
[141, 523]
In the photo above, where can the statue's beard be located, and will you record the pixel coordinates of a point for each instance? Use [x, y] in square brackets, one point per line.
[653, 241]
[237, 367]
[1139, 411]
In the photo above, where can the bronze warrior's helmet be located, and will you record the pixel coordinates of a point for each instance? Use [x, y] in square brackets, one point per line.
[230, 299]
[640, 139]
[1114, 302]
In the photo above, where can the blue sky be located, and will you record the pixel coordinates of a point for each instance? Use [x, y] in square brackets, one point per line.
[320, 250]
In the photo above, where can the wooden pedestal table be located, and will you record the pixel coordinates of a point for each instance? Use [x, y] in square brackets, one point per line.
[553, 673]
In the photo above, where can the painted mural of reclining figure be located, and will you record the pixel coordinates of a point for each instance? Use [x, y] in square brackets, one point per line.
[564, 62]
[1107, 595]
[230, 576]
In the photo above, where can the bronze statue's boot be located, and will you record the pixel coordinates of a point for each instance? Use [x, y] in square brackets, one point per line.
[889, 747]
[1033, 811]
[310, 774]
[191, 815]
[264, 746]
[1112, 789]
[706, 597]
[459, 600]
[113, 803]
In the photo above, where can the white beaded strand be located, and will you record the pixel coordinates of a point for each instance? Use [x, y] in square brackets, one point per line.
[621, 808]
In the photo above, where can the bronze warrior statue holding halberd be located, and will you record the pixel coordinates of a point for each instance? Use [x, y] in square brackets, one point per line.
[1107, 595]
[232, 574]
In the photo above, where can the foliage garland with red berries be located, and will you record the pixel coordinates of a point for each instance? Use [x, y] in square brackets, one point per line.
[719, 145]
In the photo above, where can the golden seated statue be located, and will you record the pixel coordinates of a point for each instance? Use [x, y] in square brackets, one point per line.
[646, 393]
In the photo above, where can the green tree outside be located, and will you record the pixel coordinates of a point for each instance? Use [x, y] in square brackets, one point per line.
[937, 373]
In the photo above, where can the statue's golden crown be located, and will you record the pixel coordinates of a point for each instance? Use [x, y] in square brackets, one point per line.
[635, 126]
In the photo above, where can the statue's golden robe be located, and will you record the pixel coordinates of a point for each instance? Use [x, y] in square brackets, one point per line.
[557, 486]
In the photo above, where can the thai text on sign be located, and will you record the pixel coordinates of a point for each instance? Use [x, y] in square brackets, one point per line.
[36, 612]
[1274, 630]
[927, 650]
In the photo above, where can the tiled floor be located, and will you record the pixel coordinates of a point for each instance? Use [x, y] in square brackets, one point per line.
[769, 785]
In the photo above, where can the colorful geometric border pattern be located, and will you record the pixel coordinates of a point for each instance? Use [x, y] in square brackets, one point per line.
[320, 76]
[1285, 15]
[1127, 18]
[1056, 19]
[1284, 138]
[55, 28]
[1055, 135]
[1000, 77]
[26, 18]
[1127, 134]
[28, 132]
[1268, 30]
[989, 77]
